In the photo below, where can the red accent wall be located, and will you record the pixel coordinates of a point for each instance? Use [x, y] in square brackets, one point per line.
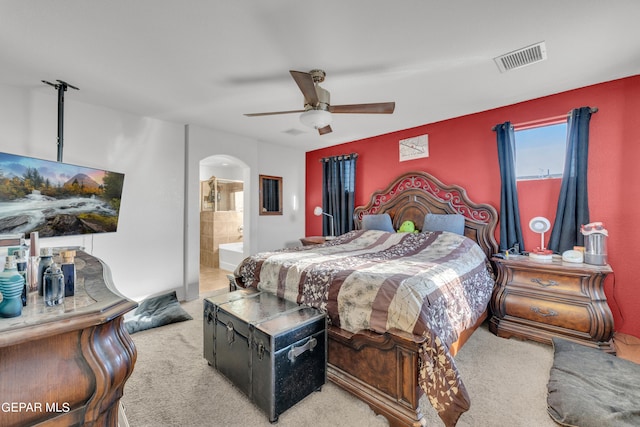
[463, 151]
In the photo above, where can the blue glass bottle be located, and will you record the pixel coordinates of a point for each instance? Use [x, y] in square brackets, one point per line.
[68, 268]
[11, 285]
[46, 259]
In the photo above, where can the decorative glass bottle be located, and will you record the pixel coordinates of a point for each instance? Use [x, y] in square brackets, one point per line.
[23, 269]
[11, 285]
[53, 285]
[69, 271]
[46, 259]
[34, 260]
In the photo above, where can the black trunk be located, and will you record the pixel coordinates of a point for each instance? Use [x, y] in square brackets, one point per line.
[272, 349]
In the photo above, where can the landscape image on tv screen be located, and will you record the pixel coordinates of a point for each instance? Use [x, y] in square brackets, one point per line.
[57, 199]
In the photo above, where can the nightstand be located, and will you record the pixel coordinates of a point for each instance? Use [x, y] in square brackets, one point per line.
[313, 240]
[539, 300]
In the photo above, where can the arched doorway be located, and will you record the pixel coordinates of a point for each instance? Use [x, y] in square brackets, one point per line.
[222, 219]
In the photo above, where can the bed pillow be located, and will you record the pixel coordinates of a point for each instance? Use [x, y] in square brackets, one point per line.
[453, 223]
[156, 311]
[380, 222]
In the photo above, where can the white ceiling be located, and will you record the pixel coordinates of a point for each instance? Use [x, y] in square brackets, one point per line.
[206, 62]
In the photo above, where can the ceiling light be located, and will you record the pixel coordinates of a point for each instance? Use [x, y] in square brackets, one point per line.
[316, 119]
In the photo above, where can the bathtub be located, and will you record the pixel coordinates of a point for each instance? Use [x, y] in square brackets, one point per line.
[230, 255]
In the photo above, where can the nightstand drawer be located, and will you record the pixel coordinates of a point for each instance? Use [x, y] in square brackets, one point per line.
[539, 280]
[541, 300]
[559, 314]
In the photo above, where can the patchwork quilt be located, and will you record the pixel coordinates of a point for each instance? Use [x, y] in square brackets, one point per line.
[433, 285]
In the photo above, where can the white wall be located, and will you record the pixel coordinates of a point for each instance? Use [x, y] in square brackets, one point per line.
[282, 231]
[260, 232]
[145, 254]
[157, 245]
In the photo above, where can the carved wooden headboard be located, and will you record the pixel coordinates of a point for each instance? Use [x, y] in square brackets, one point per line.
[415, 194]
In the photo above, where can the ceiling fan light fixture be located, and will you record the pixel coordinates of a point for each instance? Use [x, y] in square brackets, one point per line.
[316, 119]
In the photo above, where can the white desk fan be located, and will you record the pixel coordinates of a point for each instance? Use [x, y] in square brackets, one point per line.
[540, 225]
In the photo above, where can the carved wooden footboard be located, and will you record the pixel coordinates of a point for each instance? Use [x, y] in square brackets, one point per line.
[382, 370]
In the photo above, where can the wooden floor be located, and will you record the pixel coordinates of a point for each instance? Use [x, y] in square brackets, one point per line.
[212, 279]
[627, 347]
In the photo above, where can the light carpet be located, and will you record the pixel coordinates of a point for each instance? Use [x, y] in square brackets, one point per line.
[173, 385]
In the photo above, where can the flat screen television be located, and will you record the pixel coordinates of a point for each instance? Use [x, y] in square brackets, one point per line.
[57, 199]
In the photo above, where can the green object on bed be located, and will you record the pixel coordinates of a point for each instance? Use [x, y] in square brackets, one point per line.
[590, 388]
[156, 311]
[407, 227]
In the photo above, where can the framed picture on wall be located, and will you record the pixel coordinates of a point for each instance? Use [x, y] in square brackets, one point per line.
[270, 195]
[414, 148]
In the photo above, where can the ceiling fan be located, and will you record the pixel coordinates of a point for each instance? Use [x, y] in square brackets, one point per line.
[317, 107]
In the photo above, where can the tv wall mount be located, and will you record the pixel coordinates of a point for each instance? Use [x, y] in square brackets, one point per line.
[61, 87]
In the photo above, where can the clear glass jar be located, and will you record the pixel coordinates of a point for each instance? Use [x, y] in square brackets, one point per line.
[595, 249]
[53, 286]
[46, 259]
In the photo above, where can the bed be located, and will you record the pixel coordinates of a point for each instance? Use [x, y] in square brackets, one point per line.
[394, 327]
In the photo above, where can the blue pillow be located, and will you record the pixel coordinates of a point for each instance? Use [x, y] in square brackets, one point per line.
[380, 222]
[453, 223]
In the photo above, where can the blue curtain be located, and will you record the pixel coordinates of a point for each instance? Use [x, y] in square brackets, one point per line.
[510, 229]
[573, 201]
[338, 192]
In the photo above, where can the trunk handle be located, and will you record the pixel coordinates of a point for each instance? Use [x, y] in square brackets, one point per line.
[231, 336]
[297, 351]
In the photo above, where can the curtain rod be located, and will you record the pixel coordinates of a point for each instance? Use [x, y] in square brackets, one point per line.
[545, 120]
[340, 157]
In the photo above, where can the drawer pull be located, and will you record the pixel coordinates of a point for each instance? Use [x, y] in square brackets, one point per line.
[549, 313]
[544, 284]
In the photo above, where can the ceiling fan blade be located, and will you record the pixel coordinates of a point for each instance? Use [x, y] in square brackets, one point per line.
[273, 113]
[306, 85]
[325, 130]
[376, 108]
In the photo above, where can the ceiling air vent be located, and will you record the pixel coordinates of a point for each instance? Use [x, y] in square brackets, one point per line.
[294, 131]
[522, 57]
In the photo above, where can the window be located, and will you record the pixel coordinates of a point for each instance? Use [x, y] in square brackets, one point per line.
[540, 152]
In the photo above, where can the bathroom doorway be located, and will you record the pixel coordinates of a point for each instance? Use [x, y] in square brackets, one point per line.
[222, 216]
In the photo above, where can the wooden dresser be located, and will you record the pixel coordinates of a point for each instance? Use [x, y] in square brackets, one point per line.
[67, 365]
[539, 300]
